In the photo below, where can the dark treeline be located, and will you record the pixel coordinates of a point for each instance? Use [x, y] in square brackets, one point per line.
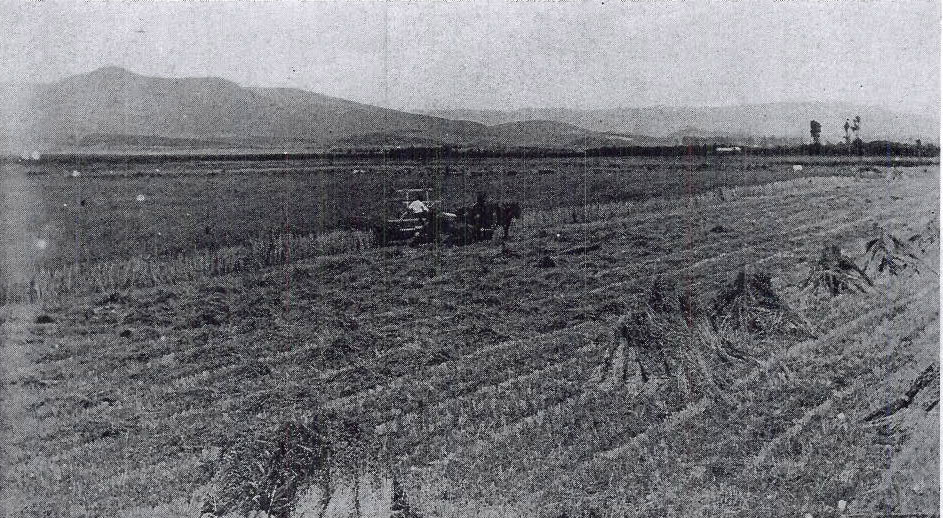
[870, 149]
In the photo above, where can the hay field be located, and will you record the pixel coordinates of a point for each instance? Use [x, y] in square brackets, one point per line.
[482, 380]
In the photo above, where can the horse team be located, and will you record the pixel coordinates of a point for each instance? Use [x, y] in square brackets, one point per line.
[466, 225]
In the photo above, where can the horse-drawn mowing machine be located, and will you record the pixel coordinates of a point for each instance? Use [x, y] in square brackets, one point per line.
[421, 220]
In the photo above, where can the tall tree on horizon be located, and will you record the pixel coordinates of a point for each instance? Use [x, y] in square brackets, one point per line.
[856, 127]
[815, 129]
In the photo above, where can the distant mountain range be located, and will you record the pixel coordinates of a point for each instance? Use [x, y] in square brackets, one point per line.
[789, 120]
[114, 109]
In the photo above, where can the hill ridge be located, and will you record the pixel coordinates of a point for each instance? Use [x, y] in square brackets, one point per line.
[115, 101]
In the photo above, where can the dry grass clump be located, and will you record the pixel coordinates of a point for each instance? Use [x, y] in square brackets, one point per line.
[652, 336]
[928, 237]
[671, 341]
[666, 297]
[266, 471]
[751, 303]
[888, 253]
[835, 273]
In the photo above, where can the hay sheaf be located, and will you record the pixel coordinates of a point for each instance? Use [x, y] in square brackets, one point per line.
[671, 342]
[751, 303]
[928, 237]
[266, 471]
[888, 253]
[686, 357]
[835, 273]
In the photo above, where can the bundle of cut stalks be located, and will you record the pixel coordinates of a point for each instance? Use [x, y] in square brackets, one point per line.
[835, 273]
[751, 303]
[888, 253]
[669, 342]
[265, 472]
[927, 238]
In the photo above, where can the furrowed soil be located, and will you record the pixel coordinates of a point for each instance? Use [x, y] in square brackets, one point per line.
[479, 369]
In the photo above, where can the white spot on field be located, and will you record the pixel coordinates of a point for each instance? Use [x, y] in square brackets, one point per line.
[76, 174]
[35, 155]
[41, 244]
[140, 197]
[797, 167]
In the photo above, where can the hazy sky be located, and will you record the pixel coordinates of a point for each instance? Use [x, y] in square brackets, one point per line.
[502, 55]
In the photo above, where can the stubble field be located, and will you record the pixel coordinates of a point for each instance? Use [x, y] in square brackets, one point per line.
[204, 326]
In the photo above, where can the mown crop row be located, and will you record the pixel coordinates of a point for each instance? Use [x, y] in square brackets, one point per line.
[277, 248]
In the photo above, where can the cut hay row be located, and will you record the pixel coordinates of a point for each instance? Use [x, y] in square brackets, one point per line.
[615, 454]
[444, 368]
[822, 236]
[553, 446]
[679, 262]
[515, 425]
[760, 457]
[811, 233]
[202, 382]
[758, 195]
[883, 306]
[824, 430]
[505, 361]
[555, 440]
[649, 445]
[607, 441]
[722, 248]
[861, 326]
[666, 205]
[503, 409]
[639, 214]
